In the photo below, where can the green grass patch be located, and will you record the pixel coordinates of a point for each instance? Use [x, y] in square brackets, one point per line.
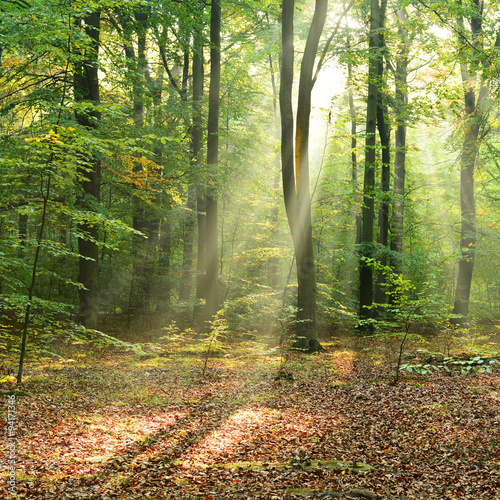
[333, 465]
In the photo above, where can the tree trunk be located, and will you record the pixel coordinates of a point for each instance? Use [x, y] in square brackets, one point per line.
[368, 212]
[274, 261]
[187, 247]
[385, 187]
[286, 83]
[86, 88]
[144, 248]
[401, 97]
[196, 160]
[296, 188]
[212, 302]
[384, 132]
[201, 263]
[165, 241]
[354, 145]
[473, 109]
[470, 147]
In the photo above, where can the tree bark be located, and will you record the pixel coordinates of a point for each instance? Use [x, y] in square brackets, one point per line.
[201, 262]
[286, 108]
[401, 97]
[196, 161]
[470, 147]
[368, 211]
[187, 247]
[212, 301]
[474, 100]
[296, 189]
[274, 261]
[86, 88]
[384, 132]
[354, 145]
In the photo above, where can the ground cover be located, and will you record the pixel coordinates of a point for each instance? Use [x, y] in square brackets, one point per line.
[110, 423]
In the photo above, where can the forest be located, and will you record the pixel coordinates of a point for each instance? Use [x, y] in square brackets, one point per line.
[249, 249]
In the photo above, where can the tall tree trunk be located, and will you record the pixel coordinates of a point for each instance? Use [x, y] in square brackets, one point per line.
[296, 188]
[86, 88]
[470, 148]
[212, 302]
[187, 247]
[165, 241]
[368, 212]
[354, 145]
[196, 161]
[401, 97]
[473, 108]
[196, 144]
[286, 108]
[273, 261]
[201, 262]
[384, 132]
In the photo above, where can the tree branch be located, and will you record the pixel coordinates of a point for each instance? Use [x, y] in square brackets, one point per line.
[329, 42]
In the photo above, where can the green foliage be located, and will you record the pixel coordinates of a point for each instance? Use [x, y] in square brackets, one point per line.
[479, 364]
[214, 341]
[395, 317]
[300, 459]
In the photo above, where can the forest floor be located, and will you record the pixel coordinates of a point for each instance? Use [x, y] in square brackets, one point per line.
[108, 423]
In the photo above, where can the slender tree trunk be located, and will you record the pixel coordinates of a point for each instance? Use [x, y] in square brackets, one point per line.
[296, 188]
[165, 241]
[354, 145]
[34, 271]
[474, 101]
[470, 147]
[273, 261]
[401, 95]
[286, 108]
[201, 263]
[212, 303]
[368, 212]
[196, 161]
[187, 247]
[384, 132]
[189, 222]
[86, 88]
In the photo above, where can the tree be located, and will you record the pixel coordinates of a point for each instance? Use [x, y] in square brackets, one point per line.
[296, 183]
[86, 89]
[475, 94]
[401, 104]
[212, 299]
[368, 211]
[384, 130]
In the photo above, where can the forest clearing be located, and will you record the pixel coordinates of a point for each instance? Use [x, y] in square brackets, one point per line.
[181, 422]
